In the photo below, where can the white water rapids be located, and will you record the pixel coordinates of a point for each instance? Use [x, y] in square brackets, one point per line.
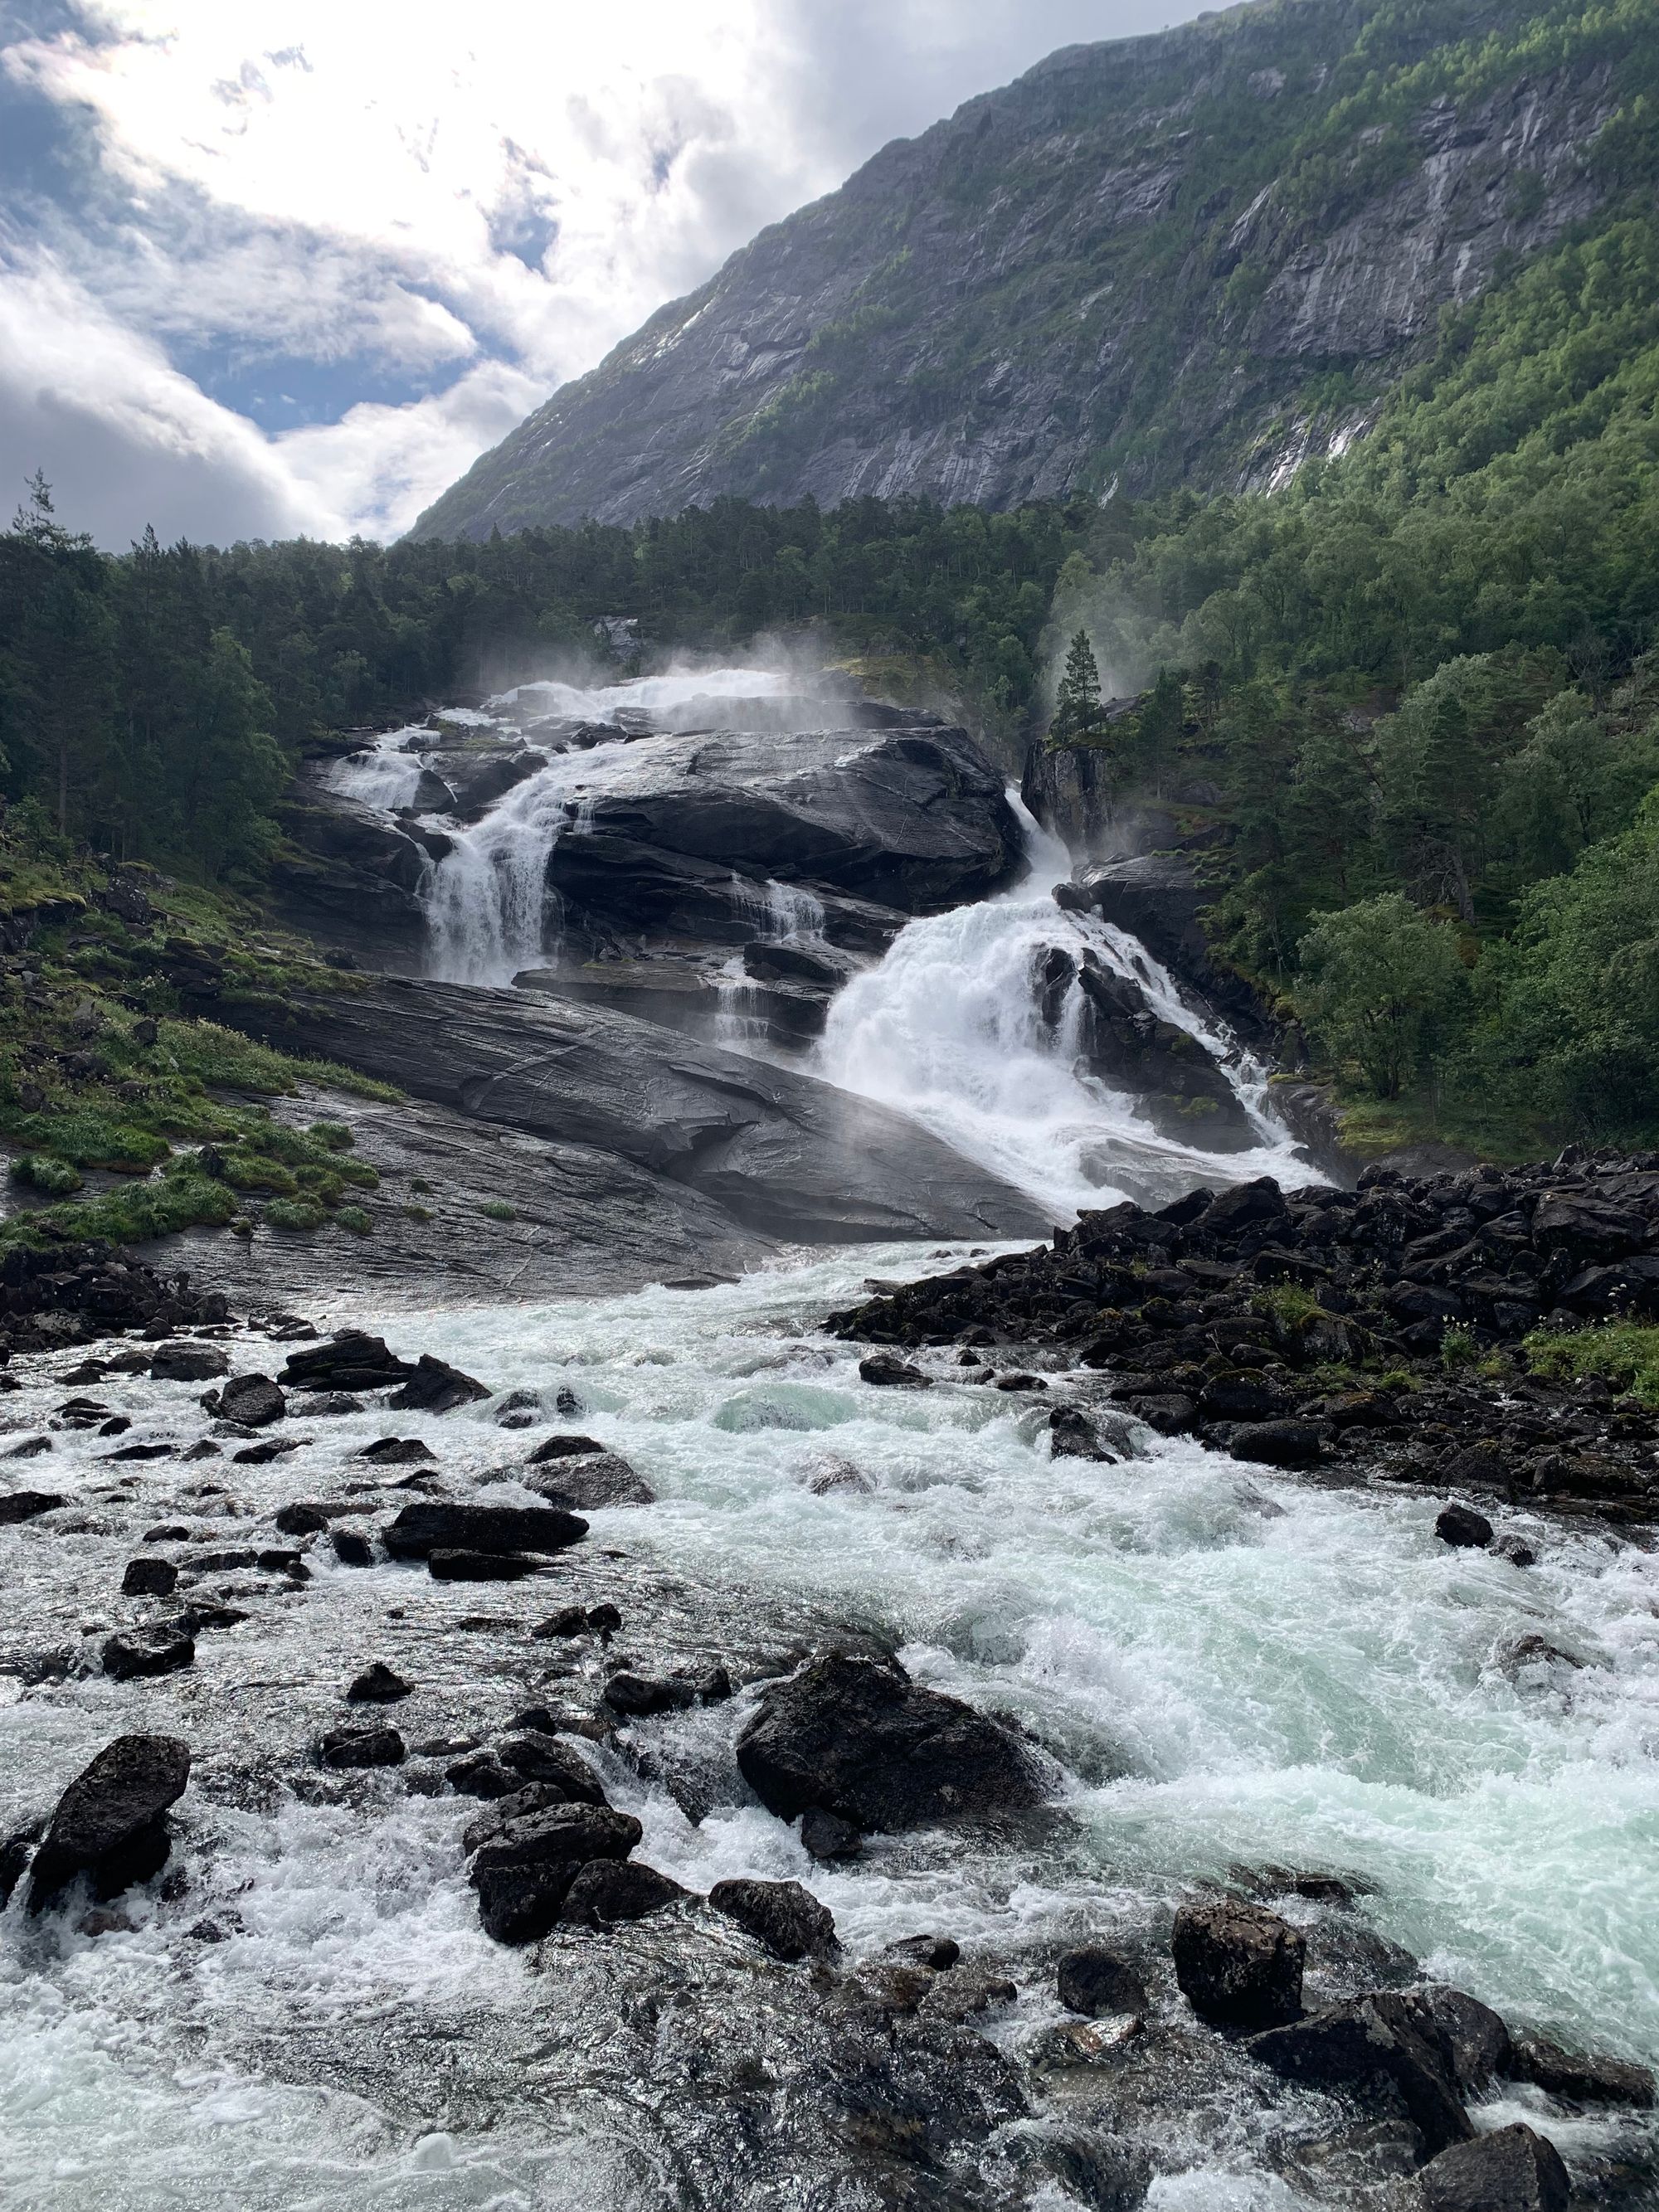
[1237, 1667]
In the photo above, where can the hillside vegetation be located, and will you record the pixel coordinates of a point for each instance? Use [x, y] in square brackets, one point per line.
[1415, 695]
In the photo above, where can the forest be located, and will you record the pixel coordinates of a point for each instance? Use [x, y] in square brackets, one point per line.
[1417, 693]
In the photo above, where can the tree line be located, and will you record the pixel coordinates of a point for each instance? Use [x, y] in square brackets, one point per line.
[153, 704]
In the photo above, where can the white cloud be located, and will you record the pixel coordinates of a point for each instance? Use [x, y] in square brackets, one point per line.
[503, 189]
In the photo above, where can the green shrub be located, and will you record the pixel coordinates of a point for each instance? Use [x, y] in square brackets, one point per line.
[321, 1183]
[354, 1218]
[55, 1176]
[498, 1210]
[294, 1213]
[249, 1171]
[1458, 1347]
[333, 1136]
[90, 1139]
[1623, 1352]
[420, 1183]
[418, 1212]
[358, 1171]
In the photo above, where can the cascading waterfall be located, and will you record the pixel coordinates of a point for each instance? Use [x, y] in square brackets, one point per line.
[486, 899]
[947, 1029]
[385, 775]
[781, 913]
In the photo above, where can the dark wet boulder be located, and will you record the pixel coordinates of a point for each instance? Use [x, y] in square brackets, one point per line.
[435, 1387]
[887, 1370]
[1239, 1964]
[1171, 1413]
[605, 1892]
[1278, 1443]
[398, 1451]
[1244, 1206]
[564, 1445]
[827, 1836]
[787, 1918]
[1372, 2048]
[640, 1695]
[301, 1519]
[1511, 2170]
[1106, 1439]
[464, 1567]
[111, 1821]
[378, 1685]
[858, 1737]
[188, 1362]
[362, 1746]
[350, 1360]
[590, 1484]
[1094, 1981]
[421, 1529]
[352, 1548]
[1580, 2077]
[567, 1834]
[1474, 2039]
[542, 1758]
[148, 1577]
[1586, 1228]
[17, 1505]
[1462, 1527]
[521, 1904]
[253, 1402]
[131, 1653]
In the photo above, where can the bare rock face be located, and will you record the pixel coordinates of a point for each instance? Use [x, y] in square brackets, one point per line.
[110, 1822]
[859, 1738]
[987, 312]
[775, 1152]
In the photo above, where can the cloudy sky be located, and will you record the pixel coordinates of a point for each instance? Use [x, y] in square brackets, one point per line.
[281, 267]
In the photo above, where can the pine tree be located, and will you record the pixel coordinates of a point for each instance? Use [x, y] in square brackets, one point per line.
[1078, 716]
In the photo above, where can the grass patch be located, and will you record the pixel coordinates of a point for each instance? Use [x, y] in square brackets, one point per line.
[159, 1208]
[1625, 1353]
[497, 1209]
[56, 1177]
[354, 1218]
[1289, 1304]
[296, 1213]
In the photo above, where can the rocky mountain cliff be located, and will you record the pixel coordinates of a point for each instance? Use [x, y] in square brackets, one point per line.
[1197, 257]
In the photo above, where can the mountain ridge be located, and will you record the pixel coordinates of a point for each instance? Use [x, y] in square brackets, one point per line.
[1192, 257]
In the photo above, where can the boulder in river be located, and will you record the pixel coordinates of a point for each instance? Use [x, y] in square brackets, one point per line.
[787, 1918]
[435, 1387]
[17, 1505]
[1581, 2077]
[606, 1890]
[188, 1362]
[421, 1529]
[1093, 1980]
[350, 1360]
[590, 1484]
[378, 1685]
[1462, 1527]
[1372, 2048]
[1237, 1963]
[858, 1737]
[110, 1822]
[1513, 2169]
[252, 1400]
[362, 1746]
[161, 1649]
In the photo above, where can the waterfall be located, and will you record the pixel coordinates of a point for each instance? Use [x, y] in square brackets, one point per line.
[385, 775]
[948, 1029]
[487, 900]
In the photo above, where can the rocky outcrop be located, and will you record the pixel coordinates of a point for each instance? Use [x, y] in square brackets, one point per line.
[111, 1822]
[1049, 293]
[1179, 1305]
[776, 1151]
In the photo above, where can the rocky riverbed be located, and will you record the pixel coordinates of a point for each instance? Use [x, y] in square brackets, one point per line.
[1133, 1851]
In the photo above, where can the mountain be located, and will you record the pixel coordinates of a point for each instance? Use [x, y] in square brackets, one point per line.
[1193, 258]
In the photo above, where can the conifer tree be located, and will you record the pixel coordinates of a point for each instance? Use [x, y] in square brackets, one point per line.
[1078, 716]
